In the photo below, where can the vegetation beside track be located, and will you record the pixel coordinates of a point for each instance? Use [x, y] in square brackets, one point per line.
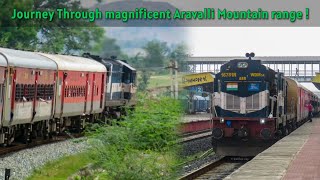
[143, 146]
[62, 168]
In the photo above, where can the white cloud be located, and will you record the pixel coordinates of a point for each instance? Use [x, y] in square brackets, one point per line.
[236, 41]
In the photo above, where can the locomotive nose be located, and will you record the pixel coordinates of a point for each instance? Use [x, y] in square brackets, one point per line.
[217, 133]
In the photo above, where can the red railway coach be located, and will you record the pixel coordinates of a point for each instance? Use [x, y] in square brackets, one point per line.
[43, 94]
[26, 87]
[80, 91]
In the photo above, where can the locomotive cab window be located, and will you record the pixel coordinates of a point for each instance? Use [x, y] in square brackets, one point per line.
[134, 78]
[126, 78]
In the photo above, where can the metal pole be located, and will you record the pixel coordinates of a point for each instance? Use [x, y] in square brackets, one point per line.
[172, 79]
[176, 79]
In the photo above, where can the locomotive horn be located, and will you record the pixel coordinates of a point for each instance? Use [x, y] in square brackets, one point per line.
[250, 55]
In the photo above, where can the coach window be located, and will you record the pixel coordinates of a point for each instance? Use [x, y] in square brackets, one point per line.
[75, 91]
[25, 91]
[19, 91]
[72, 91]
[40, 92]
[69, 91]
[83, 91]
[66, 92]
[28, 92]
[32, 92]
[44, 91]
[49, 91]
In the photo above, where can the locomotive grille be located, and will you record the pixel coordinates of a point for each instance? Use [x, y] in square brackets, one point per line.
[233, 102]
[252, 102]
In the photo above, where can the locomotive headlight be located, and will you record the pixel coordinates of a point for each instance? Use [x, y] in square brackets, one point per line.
[262, 121]
[242, 65]
[221, 120]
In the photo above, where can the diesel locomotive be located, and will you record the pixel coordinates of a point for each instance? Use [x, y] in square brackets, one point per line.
[255, 106]
[121, 85]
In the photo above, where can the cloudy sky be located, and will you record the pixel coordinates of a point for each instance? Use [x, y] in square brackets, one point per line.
[263, 41]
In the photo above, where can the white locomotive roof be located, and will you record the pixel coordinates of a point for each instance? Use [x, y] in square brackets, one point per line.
[25, 59]
[127, 65]
[75, 63]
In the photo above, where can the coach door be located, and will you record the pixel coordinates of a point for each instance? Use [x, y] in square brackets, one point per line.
[87, 93]
[2, 78]
[93, 90]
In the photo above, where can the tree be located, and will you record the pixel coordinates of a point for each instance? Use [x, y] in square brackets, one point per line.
[180, 54]
[59, 36]
[66, 35]
[16, 34]
[144, 80]
[156, 53]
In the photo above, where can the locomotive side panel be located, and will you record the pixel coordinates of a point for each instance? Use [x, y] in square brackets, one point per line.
[114, 92]
[128, 82]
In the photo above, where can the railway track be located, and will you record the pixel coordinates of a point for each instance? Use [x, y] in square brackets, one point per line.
[218, 169]
[194, 136]
[37, 142]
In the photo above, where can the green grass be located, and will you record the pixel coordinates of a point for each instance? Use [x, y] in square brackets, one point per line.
[161, 81]
[62, 168]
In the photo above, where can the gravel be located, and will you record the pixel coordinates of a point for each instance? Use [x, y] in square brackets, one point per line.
[197, 146]
[24, 162]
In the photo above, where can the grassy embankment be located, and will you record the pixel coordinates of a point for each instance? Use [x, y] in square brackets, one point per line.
[142, 147]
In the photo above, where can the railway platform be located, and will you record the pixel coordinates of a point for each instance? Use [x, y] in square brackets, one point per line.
[196, 117]
[196, 123]
[294, 157]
